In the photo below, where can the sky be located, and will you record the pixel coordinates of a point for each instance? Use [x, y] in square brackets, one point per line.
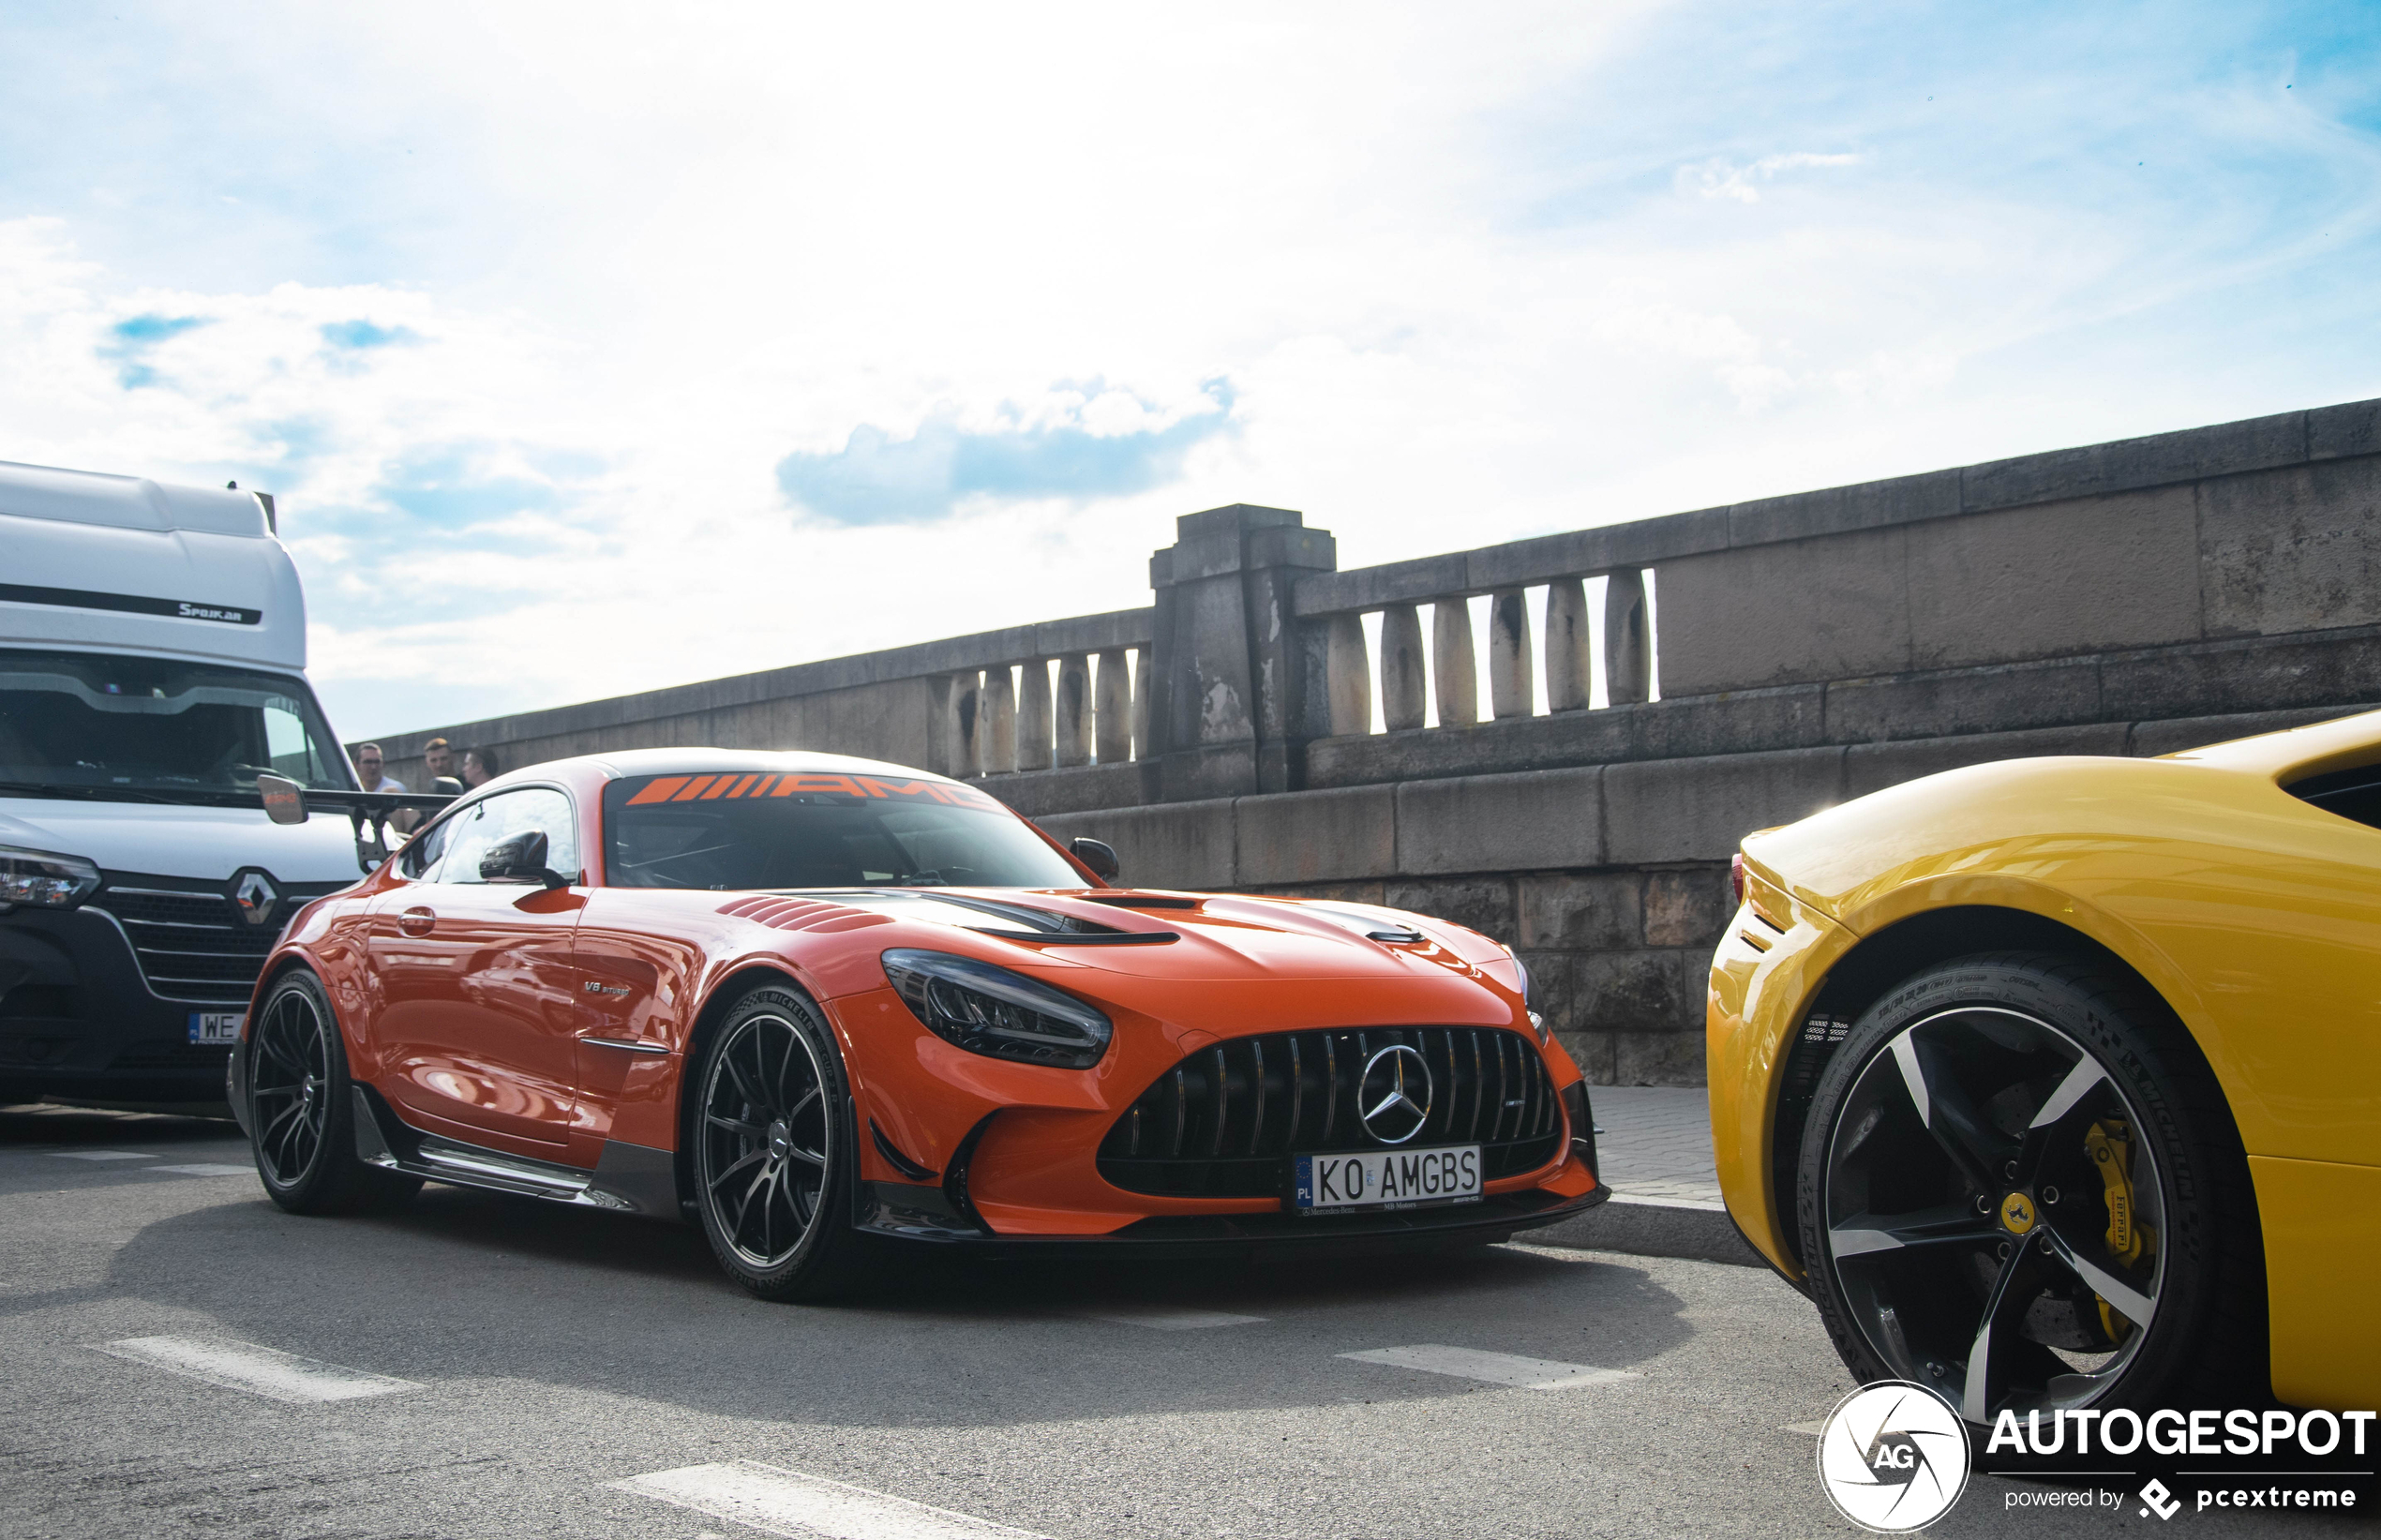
[592, 348]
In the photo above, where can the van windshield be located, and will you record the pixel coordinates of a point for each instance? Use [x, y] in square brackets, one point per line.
[96, 724]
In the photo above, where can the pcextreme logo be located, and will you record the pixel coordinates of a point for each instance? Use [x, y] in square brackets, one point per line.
[1893, 1456]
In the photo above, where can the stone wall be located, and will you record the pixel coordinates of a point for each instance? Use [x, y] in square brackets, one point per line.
[1768, 659]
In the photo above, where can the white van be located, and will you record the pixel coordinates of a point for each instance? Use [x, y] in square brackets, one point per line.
[151, 664]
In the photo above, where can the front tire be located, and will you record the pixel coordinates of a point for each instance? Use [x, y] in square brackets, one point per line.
[775, 1157]
[2021, 1184]
[302, 1108]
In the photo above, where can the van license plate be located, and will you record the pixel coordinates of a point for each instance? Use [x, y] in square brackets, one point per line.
[216, 1029]
[1387, 1179]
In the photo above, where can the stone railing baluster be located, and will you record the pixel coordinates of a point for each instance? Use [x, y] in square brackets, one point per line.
[1452, 660]
[1512, 683]
[1033, 717]
[998, 738]
[1141, 703]
[1348, 672]
[1404, 686]
[1112, 708]
[1568, 660]
[964, 725]
[1628, 661]
[1072, 710]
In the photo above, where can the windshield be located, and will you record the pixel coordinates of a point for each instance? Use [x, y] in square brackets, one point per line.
[739, 831]
[97, 724]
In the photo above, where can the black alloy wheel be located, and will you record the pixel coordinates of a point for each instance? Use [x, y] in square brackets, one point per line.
[302, 1108]
[2020, 1185]
[773, 1149]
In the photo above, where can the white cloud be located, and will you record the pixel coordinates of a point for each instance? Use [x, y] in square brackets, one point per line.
[1720, 177]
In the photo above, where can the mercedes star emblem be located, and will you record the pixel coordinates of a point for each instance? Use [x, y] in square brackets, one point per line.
[1394, 1097]
[256, 896]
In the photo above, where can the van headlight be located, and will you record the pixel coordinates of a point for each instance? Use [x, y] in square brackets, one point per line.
[1003, 1015]
[42, 880]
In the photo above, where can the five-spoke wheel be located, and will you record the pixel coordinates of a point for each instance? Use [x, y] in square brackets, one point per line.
[2014, 1188]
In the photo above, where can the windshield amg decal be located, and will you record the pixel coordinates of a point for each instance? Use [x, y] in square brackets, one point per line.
[734, 786]
[130, 603]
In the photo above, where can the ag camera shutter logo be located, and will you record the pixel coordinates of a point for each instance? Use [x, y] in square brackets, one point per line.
[1893, 1456]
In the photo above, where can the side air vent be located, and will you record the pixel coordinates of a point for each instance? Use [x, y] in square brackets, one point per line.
[800, 914]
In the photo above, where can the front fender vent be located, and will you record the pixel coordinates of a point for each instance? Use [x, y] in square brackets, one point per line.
[801, 914]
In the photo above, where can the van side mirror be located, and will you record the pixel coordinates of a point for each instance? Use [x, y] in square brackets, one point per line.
[520, 858]
[284, 799]
[1098, 855]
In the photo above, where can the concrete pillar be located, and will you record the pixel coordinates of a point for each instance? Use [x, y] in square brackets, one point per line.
[1512, 683]
[1141, 704]
[963, 725]
[1452, 660]
[1227, 684]
[1033, 717]
[1350, 675]
[1113, 707]
[1569, 659]
[1629, 653]
[1072, 710]
[1404, 688]
[998, 753]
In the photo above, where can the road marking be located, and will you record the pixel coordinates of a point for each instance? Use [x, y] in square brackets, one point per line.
[1808, 1429]
[1497, 1369]
[1161, 1319]
[102, 1154]
[208, 1168]
[1644, 1201]
[788, 1502]
[258, 1370]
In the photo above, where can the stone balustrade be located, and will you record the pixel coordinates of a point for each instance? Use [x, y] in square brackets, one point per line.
[1652, 690]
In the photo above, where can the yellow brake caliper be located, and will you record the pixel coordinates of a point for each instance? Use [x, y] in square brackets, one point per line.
[2111, 1147]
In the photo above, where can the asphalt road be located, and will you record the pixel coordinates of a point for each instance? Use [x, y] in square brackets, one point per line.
[536, 1358]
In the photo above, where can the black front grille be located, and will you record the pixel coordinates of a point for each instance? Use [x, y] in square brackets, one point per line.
[1224, 1122]
[191, 940]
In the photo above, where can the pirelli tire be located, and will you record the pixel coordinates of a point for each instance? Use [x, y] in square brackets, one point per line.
[774, 1155]
[301, 1108]
[2021, 1184]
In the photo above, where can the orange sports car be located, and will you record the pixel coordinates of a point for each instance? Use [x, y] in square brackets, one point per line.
[827, 1007]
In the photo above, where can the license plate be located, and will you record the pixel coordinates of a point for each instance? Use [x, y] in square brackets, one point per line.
[1387, 1179]
[216, 1028]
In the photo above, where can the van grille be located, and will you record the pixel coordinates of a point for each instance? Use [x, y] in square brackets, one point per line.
[190, 937]
[1224, 1122]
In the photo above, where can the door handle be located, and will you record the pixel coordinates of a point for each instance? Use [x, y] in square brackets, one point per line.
[416, 920]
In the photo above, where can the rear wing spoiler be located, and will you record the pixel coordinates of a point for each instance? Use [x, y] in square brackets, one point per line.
[287, 802]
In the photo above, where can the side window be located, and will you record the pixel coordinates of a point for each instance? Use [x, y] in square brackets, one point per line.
[421, 853]
[487, 824]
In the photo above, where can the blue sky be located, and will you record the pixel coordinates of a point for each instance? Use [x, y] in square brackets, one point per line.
[588, 349]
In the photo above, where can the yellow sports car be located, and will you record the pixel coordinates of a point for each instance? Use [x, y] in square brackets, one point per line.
[2056, 1083]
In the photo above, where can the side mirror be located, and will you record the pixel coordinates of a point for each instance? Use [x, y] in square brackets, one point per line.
[1098, 855]
[284, 799]
[520, 858]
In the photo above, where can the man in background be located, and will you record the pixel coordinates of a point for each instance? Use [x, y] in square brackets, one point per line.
[368, 763]
[480, 767]
[438, 759]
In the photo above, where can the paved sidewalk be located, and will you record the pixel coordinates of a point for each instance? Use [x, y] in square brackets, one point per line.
[1656, 1146]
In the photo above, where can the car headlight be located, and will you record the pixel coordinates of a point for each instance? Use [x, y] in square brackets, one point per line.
[43, 880]
[1003, 1015]
[1529, 1002]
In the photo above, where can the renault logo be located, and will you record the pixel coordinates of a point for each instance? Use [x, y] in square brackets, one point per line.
[256, 897]
[1394, 1097]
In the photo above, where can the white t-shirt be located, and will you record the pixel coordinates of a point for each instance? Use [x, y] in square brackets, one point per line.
[389, 782]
